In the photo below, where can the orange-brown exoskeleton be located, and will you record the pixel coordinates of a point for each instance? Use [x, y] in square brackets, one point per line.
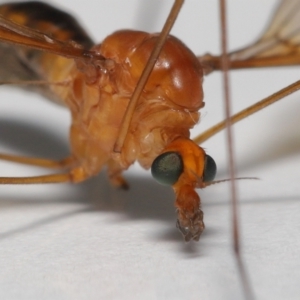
[134, 97]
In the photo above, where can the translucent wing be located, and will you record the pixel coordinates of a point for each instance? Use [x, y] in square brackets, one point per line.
[279, 45]
[282, 36]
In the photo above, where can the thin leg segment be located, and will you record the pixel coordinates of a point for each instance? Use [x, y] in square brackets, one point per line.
[248, 294]
[53, 178]
[39, 162]
[248, 111]
[74, 175]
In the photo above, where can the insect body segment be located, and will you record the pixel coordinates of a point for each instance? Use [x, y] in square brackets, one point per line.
[26, 64]
[165, 112]
[98, 95]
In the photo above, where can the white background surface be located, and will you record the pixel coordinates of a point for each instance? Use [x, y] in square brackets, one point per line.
[92, 242]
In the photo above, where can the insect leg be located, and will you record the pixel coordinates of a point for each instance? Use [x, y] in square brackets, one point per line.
[39, 162]
[115, 175]
[53, 178]
[248, 111]
[248, 293]
[74, 175]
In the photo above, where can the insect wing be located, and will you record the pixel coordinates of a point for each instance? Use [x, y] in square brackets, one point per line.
[281, 39]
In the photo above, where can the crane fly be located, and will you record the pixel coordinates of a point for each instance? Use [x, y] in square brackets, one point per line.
[191, 226]
[109, 72]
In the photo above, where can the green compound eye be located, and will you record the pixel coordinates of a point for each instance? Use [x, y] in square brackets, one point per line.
[210, 169]
[167, 168]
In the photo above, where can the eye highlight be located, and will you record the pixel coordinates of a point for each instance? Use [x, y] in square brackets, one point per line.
[167, 168]
[210, 169]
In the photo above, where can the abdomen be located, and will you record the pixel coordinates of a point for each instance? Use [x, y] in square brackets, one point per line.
[24, 64]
